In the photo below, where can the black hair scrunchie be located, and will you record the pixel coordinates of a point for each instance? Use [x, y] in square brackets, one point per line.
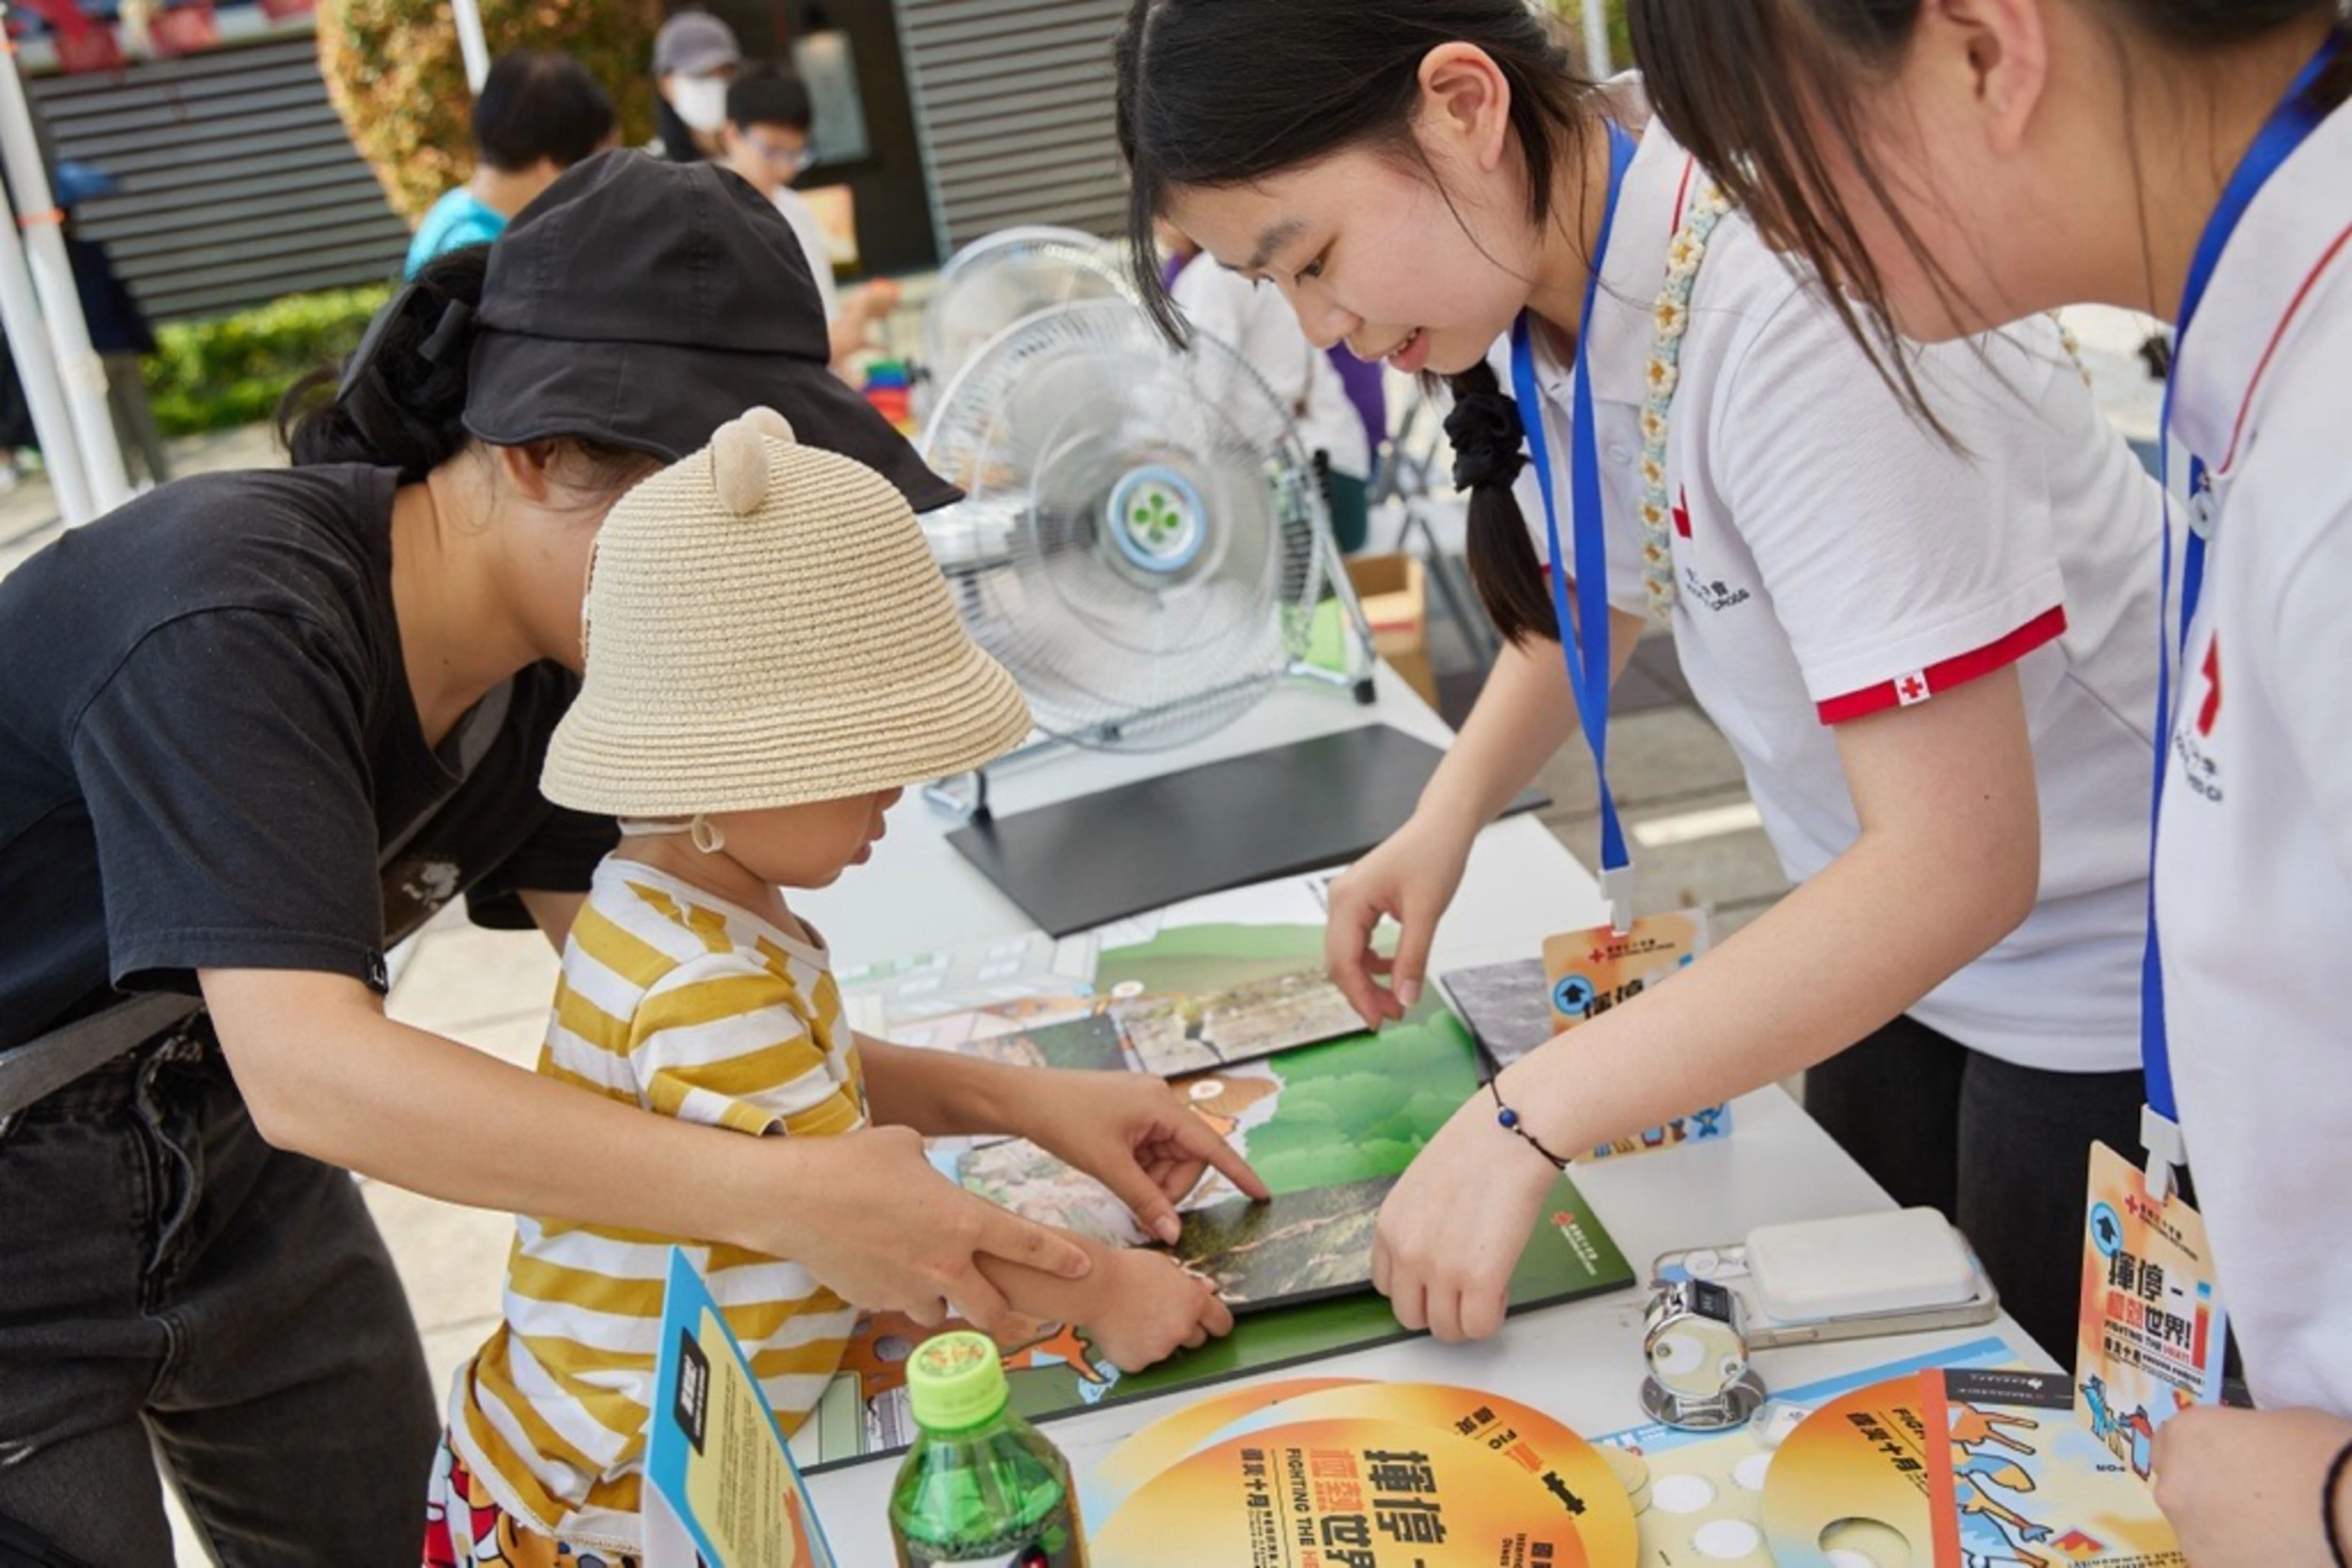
[1486, 437]
[439, 390]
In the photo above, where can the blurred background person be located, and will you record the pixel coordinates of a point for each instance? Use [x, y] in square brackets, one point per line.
[118, 333]
[119, 328]
[695, 56]
[1258, 324]
[766, 141]
[539, 114]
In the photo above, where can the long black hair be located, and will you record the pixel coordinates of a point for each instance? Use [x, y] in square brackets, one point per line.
[1222, 92]
[1735, 83]
[400, 400]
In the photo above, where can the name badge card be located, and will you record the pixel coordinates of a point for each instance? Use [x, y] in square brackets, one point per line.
[2152, 1325]
[1591, 972]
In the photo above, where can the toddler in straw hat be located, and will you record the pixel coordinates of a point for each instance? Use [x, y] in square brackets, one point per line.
[772, 657]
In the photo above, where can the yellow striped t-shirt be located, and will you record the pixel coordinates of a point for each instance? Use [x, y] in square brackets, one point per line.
[687, 1006]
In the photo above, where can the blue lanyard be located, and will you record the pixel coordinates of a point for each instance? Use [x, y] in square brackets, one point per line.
[2290, 125]
[1588, 660]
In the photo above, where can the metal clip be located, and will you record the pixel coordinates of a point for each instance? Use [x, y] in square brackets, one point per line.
[1617, 890]
[2168, 1151]
[2204, 507]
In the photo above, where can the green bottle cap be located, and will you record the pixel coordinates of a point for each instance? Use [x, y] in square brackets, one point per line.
[956, 1381]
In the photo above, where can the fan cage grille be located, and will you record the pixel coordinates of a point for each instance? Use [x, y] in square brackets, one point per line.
[1080, 422]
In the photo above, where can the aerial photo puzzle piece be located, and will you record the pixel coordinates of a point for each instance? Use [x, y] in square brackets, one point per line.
[1197, 998]
[1300, 1246]
[1508, 1006]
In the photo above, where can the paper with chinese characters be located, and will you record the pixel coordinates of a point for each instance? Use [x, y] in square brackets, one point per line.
[2152, 1327]
[1574, 1479]
[1344, 1494]
[1969, 1467]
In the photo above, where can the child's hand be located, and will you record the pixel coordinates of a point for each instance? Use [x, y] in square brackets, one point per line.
[1152, 1307]
[1131, 1133]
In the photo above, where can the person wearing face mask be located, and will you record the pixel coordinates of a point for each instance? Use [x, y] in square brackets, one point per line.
[695, 56]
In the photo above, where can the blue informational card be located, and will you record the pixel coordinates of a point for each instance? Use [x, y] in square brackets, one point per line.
[721, 1489]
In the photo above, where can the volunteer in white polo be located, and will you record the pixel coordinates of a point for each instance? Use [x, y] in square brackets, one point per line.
[1930, 650]
[2186, 158]
[1860, 604]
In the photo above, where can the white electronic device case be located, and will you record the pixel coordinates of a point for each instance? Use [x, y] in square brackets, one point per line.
[1903, 1271]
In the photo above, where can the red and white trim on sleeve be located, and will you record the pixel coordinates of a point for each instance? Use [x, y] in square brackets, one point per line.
[1915, 688]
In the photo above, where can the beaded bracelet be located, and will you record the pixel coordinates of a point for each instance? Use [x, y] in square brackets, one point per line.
[1510, 1121]
[2328, 1504]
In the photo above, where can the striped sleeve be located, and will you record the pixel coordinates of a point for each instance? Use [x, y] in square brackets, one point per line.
[724, 1041]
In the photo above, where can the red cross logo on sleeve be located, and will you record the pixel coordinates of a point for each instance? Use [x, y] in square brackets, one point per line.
[2212, 708]
[1912, 688]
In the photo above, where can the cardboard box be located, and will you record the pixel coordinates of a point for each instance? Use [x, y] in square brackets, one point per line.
[1394, 590]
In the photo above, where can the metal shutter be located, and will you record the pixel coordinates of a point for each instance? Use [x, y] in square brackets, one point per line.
[238, 182]
[1013, 100]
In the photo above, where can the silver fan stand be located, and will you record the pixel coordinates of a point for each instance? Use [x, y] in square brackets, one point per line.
[963, 797]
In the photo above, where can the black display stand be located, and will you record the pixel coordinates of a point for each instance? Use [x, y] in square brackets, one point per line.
[1285, 810]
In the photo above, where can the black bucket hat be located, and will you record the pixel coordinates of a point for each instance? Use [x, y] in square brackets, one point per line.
[645, 303]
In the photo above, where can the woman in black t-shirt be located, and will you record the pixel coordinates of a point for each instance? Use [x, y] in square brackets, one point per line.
[256, 728]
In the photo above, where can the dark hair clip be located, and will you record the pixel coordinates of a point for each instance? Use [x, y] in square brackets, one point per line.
[1487, 435]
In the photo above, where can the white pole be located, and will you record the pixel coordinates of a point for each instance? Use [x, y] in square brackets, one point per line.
[28, 345]
[1597, 64]
[471, 43]
[60, 301]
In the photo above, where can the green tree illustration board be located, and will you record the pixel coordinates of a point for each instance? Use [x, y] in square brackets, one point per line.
[1342, 1119]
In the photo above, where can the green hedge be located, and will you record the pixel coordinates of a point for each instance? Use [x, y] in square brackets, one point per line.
[230, 371]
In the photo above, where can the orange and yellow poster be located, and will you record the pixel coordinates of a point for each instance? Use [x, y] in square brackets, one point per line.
[1344, 1494]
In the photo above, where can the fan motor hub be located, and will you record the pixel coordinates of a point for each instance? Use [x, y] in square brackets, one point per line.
[1157, 519]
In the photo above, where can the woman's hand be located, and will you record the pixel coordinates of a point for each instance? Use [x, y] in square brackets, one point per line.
[1410, 878]
[1454, 1225]
[896, 1236]
[2242, 1485]
[1131, 1133]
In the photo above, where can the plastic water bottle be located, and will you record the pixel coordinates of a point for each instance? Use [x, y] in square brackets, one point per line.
[981, 1488]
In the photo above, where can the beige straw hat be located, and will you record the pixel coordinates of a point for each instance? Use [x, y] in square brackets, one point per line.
[765, 626]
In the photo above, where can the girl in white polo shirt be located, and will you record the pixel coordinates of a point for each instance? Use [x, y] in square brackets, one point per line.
[1930, 647]
[1959, 163]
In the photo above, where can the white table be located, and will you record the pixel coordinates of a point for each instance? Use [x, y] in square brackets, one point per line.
[1580, 1362]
